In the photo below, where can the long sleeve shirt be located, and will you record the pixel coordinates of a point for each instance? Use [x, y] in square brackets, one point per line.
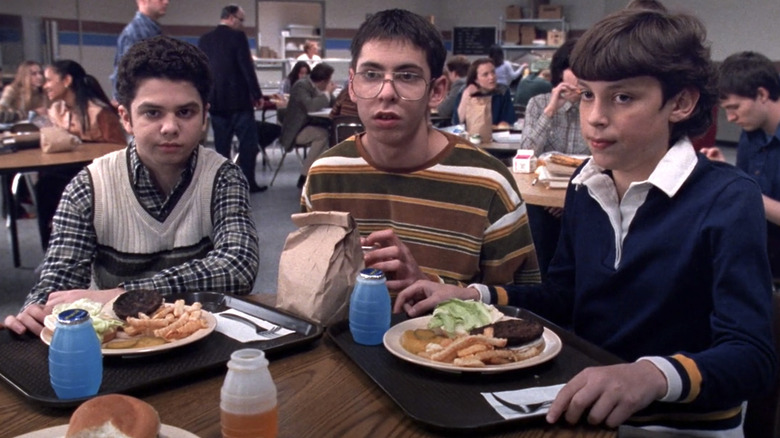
[139, 28]
[230, 267]
[560, 133]
[459, 214]
[675, 272]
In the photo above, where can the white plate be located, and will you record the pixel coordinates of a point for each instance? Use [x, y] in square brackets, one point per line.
[211, 324]
[392, 341]
[59, 432]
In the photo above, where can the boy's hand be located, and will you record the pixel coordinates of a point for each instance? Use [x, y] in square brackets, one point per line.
[609, 394]
[393, 258]
[424, 295]
[713, 153]
[31, 318]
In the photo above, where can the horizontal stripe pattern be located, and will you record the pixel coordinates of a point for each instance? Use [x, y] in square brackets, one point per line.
[461, 215]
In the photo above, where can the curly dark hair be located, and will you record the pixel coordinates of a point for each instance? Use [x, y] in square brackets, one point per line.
[162, 57]
[671, 48]
[402, 25]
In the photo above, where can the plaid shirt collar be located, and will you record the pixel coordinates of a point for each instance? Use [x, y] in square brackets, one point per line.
[157, 203]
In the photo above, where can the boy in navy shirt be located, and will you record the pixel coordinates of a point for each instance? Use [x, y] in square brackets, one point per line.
[662, 255]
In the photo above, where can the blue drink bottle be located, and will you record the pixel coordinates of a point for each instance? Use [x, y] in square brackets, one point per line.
[369, 308]
[75, 359]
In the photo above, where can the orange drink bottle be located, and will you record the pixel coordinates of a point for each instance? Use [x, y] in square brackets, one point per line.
[248, 397]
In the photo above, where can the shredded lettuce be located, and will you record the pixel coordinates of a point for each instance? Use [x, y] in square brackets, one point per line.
[101, 323]
[456, 317]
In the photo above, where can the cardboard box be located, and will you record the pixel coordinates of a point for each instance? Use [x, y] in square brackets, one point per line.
[550, 12]
[512, 33]
[514, 12]
[533, 7]
[527, 35]
[556, 37]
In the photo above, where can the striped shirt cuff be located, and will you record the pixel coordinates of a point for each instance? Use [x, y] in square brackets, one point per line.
[673, 382]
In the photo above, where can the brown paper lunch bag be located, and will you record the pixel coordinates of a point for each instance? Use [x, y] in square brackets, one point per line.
[478, 114]
[318, 266]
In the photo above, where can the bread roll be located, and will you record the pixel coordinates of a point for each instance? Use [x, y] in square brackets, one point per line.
[114, 416]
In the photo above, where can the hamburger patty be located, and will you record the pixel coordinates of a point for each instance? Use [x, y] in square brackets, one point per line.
[136, 301]
[515, 331]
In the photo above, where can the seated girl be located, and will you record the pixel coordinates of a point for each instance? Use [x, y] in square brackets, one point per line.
[480, 82]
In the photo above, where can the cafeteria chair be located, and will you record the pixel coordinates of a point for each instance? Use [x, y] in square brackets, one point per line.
[344, 127]
[762, 418]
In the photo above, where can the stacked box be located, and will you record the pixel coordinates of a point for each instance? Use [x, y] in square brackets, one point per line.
[512, 31]
[527, 35]
[550, 12]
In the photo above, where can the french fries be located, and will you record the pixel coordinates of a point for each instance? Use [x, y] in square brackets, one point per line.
[170, 322]
[480, 350]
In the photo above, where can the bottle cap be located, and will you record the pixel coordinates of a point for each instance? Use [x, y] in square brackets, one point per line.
[72, 316]
[372, 274]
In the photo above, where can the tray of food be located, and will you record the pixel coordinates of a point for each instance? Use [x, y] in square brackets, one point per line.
[148, 342]
[442, 393]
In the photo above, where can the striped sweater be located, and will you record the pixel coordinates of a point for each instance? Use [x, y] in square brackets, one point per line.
[460, 214]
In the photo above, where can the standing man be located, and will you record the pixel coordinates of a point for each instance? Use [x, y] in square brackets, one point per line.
[749, 91]
[235, 93]
[311, 50]
[144, 25]
[457, 69]
[308, 95]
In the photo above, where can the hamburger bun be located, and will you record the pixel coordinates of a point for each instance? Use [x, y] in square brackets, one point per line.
[115, 416]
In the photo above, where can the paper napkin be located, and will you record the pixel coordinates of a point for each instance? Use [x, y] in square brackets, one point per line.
[522, 396]
[243, 332]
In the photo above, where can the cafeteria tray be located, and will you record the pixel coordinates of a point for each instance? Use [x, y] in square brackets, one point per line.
[452, 401]
[25, 358]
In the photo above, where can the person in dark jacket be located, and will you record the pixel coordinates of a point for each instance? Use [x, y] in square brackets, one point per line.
[235, 93]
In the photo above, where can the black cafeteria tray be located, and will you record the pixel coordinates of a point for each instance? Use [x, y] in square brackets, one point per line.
[452, 401]
[24, 364]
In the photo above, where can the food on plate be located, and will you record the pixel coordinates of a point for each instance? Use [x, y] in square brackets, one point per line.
[473, 334]
[415, 341]
[105, 326]
[116, 416]
[515, 331]
[134, 302]
[565, 160]
[134, 342]
[456, 317]
[171, 321]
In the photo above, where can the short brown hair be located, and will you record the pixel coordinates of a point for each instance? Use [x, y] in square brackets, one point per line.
[671, 48]
[459, 65]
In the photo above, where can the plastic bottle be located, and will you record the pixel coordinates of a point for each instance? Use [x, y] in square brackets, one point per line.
[75, 359]
[369, 308]
[248, 397]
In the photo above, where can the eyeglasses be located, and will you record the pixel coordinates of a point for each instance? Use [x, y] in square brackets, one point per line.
[409, 86]
[241, 19]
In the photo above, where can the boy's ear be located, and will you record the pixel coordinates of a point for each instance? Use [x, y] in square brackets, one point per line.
[124, 117]
[352, 96]
[762, 95]
[683, 104]
[438, 91]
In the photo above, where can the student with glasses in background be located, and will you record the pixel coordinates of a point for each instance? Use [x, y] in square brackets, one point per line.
[433, 205]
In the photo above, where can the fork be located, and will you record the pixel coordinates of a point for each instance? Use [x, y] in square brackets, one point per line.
[528, 408]
[258, 329]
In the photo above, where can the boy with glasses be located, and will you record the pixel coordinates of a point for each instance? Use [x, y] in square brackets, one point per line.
[433, 205]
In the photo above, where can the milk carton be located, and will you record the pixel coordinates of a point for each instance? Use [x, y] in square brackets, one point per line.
[524, 161]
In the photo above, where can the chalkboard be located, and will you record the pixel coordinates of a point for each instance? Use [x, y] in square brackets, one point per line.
[473, 40]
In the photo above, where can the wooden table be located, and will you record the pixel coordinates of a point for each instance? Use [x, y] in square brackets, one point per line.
[33, 160]
[538, 194]
[321, 393]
